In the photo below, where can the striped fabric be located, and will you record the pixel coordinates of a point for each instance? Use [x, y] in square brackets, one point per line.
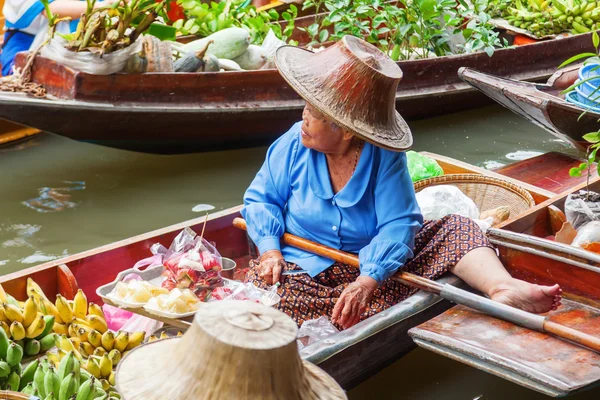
[24, 15]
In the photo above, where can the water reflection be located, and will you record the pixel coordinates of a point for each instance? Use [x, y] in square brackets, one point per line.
[55, 199]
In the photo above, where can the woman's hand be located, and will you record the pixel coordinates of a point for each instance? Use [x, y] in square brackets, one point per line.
[271, 265]
[353, 302]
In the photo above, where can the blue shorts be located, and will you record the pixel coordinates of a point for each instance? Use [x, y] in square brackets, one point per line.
[14, 42]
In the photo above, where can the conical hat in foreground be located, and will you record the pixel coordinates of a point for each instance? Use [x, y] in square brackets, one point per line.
[354, 84]
[233, 350]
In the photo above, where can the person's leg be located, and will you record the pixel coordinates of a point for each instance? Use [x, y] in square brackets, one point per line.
[481, 269]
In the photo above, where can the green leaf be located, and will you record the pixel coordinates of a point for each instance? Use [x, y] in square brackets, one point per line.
[593, 137]
[323, 35]
[595, 40]
[575, 172]
[575, 58]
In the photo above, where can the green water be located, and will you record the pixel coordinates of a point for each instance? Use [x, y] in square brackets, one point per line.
[60, 197]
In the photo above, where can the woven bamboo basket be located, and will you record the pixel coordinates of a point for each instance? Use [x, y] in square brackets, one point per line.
[486, 192]
[7, 395]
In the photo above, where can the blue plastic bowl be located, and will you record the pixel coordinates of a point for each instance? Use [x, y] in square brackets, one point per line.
[591, 99]
[587, 88]
[573, 98]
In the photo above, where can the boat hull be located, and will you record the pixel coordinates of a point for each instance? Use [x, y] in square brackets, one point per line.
[540, 104]
[173, 113]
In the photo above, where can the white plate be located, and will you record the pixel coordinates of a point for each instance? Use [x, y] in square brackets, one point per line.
[167, 314]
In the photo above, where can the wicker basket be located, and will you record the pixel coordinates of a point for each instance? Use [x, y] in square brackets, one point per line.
[486, 192]
[7, 395]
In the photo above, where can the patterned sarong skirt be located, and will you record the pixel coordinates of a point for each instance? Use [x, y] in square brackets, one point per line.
[439, 245]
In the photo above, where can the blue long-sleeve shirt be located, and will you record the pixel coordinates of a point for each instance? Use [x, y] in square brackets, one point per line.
[375, 214]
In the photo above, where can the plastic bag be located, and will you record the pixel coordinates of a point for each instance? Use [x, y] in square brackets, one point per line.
[88, 62]
[581, 209]
[270, 46]
[438, 201]
[588, 233]
[315, 330]
[139, 323]
[422, 167]
[115, 317]
[197, 269]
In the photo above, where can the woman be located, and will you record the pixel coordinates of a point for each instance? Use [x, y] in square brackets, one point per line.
[334, 179]
[27, 25]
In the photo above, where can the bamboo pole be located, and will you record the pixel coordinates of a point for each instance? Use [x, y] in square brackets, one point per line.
[455, 295]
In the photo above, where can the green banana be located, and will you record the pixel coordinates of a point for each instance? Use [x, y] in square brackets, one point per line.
[4, 343]
[32, 348]
[51, 381]
[86, 389]
[65, 367]
[14, 354]
[38, 382]
[49, 319]
[47, 342]
[28, 389]
[45, 364]
[85, 376]
[18, 369]
[4, 369]
[67, 387]
[28, 373]
[77, 371]
[50, 397]
[580, 28]
[13, 381]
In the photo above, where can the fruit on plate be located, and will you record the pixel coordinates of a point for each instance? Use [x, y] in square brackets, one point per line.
[136, 291]
[176, 302]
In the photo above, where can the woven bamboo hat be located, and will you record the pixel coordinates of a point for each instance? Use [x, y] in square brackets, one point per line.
[354, 84]
[233, 350]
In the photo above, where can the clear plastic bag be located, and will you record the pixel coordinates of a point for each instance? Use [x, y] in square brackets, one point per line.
[582, 207]
[270, 46]
[86, 61]
[197, 269]
[438, 201]
[588, 233]
[139, 323]
[315, 330]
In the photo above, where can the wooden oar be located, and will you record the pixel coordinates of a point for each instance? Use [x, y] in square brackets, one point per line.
[451, 293]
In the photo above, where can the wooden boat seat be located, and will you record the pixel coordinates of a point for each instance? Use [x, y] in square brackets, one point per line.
[549, 171]
[535, 360]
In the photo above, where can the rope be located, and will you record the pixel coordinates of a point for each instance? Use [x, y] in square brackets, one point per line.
[20, 81]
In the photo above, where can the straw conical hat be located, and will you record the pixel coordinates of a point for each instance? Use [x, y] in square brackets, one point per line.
[233, 350]
[354, 84]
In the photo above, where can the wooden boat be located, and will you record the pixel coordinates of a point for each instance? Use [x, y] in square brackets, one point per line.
[349, 356]
[179, 113]
[540, 362]
[541, 104]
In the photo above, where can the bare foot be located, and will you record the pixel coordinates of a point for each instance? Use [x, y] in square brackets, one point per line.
[527, 296]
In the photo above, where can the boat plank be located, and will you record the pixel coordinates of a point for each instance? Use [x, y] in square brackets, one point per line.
[549, 171]
[552, 365]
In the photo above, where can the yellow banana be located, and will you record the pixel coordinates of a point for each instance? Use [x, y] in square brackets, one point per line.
[3, 316]
[81, 322]
[115, 356]
[36, 328]
[163, 335]
[83, 334]
[29, 312]
[13, 313]
[17, 331]
[86, 348]
[111, 379]
[59, 328]
[99, 352]
[76, 342]
[95, 309]
[108, 340]
[80, 304]
[105, 366]
[93, 368]
[105, 385]
[179, 333]
[54, 358]
[33, 289]
[71, 330]
[97, 323]
[49, 308]
[121, 341]
[64, 309]
[95, 338]
[152, 338]
[6, 328]
[66, 344]
[3, 298]
[135, 339]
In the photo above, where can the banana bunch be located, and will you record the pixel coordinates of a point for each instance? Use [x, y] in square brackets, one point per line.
[26, 324]
[64, 381]
[163, 335]
[546, 17]
[11, 371]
